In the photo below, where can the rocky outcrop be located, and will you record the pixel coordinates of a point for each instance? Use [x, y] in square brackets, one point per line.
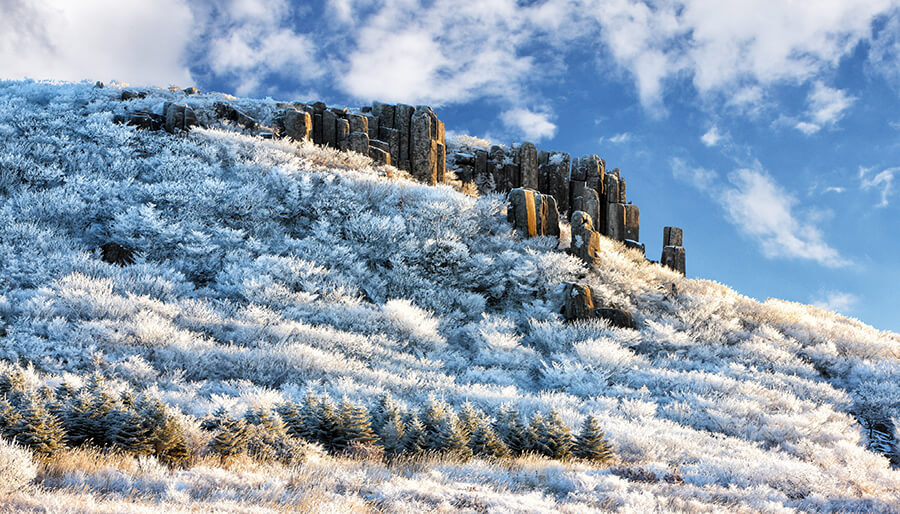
[673, 251]
[585, 240]
[532, 213]
[178, 117]
[579, 304]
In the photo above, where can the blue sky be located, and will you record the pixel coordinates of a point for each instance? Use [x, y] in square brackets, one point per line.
[769, 130]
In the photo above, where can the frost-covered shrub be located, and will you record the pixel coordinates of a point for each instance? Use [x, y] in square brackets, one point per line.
[17, 468]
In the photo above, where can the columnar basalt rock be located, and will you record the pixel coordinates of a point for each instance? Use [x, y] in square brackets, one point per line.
[359, 142]
[342, 134]
[426, 145]
[402, 122]
[632, 222]
[295, 124]
[615, 222]
[578, 301]
[585, 240]
[532, 213]
[379, 156]
[673, 252]
[178, 117]
[527, 159]
[358, 123]
[329, 128]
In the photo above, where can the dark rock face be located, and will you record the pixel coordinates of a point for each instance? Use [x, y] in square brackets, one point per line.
[615, 222]
[673, 257]
[132, 95]
[114, 253]
[379, 156]
[295, 124]
[532, 213]
[528, 165]
[632, 222]
[142, 120]
[579, 302]
[673, 236]
[342, 134]
[227, 112]
[585, 240]
[634, 245]
[178, 117]
[616, 317]
[359, 142]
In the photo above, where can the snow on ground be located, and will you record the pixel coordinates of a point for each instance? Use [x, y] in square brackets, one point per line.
[265, 267]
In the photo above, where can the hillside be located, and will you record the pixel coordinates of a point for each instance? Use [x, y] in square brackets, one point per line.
[264, 268]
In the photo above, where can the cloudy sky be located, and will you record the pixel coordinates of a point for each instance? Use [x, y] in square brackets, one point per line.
[768, 129]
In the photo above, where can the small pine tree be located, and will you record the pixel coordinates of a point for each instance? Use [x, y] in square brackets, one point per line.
[293, 420]
[538, 435]
[592, 443]
[128, 430]
[392, 433]
[558, 436]
[166, 434]
[414, 439]
[38, 429]
[469, 418]
[213, 422]
[9, 418]
[442, 430]
[309, 416]
[231, 439]
[512, 432]
[485, 441]
[356, 427]
[329, 431]
[12, 380]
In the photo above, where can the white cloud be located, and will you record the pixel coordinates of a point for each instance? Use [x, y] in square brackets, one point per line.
[825, 106]
[712, 136]
[127, 40]
[837, 301]
[721, 45]
[533, 125]
[617, 139]
[883, 180]
[701, 178]
[763, 211]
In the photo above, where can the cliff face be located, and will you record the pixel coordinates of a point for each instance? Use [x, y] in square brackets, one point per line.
[213, 268]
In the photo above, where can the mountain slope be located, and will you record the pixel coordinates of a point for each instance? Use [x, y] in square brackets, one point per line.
[264, 267]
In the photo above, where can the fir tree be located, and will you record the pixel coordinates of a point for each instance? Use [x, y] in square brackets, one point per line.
[9, 418]
[442, 430]
[414, 439]
[293, 420]
[328, 425]
[213, 421]
[166, 435]
[38, 429]
[128, 430]
[309, 416]
[592, 443]
[12, 380]
[356, 427]
[484, 441]
[392, 432]
[512, 432]
[469, 419]
[231, 439]
[558, 436]
[538, 435]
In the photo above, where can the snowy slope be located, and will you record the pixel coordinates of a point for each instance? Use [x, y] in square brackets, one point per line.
[265, 267]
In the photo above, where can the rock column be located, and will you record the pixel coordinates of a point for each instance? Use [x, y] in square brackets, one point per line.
[673, 252]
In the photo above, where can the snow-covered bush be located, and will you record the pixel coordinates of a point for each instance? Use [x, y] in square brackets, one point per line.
[17, 468]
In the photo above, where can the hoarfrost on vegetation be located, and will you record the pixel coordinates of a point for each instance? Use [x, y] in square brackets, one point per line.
[263, 268]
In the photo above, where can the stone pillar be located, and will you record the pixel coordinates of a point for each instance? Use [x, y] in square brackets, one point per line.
[553, 178]
[358, 123]
[585, 240]
[392, 138]
[329, 128]
[384, 113]
[440, 162]
[634, 245]
[422, 149]
[372, 122]
[379, 156]
[513, 178]
[616, 222]
[632, 222]
[673, 257]
[532, 213]
[673, 236]
[359, 142]
[342, 134]
[480, 171]
[527, 158]
[402, 122]
[318, 125]
[297, 124]
[673, 252]
[622, 190]
[579, 301]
